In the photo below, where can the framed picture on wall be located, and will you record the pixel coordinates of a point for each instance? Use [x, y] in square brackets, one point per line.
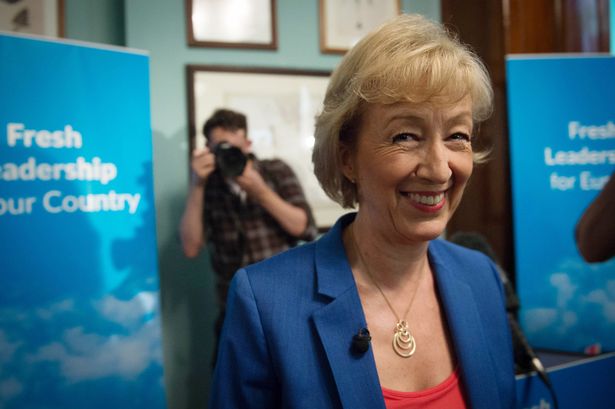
[42, 17]
[280, 106]
[344, 22]
[232, 23]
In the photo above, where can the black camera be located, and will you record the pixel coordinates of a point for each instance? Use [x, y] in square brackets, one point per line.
[230, 159]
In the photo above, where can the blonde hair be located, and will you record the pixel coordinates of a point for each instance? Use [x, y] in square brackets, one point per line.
[408, 59]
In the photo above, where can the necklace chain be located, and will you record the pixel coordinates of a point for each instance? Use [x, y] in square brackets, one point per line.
[404, 344]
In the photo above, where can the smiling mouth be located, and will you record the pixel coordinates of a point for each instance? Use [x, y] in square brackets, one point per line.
[434, 199]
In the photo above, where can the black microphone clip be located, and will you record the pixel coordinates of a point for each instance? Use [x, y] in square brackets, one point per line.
[360, 341]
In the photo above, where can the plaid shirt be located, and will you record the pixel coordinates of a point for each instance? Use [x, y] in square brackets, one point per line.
[242, 232]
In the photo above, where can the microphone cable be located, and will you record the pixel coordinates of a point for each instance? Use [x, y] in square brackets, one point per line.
[527, 358]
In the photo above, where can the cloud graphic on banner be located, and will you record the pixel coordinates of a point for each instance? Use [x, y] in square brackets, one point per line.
[131, 312]
[9, 388]
[55, 309]
[569, 319]
[565, 289]
[7, 349]
[89, 356]
[537, 319]
[85, 355]
[584, 307]
[122, 341]
[606, 300]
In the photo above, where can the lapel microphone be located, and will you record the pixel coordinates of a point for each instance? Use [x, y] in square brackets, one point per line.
[360, 341]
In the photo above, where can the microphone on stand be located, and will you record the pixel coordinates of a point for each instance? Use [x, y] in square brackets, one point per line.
[526, 359]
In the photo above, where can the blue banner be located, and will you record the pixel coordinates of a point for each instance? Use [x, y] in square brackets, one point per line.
[562, 139]
[79, 310]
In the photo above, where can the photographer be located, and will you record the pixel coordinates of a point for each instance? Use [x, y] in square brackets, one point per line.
[243, 208]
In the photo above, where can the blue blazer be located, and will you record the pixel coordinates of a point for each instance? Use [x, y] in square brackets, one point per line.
[286, 340]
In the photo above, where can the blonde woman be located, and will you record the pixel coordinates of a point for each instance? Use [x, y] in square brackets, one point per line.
[379, 313]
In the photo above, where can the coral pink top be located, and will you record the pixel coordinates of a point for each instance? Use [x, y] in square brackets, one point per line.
[446, 395]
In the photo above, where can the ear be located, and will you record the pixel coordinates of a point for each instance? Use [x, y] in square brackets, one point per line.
[347, 160]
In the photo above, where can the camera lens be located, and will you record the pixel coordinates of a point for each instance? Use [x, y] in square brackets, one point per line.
[230, 159]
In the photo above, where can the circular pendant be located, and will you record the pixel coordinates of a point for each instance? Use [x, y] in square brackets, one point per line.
[403, 342]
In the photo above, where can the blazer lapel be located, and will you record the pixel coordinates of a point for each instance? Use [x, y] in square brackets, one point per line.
[355, 375]
[336, 322]
[459, 302]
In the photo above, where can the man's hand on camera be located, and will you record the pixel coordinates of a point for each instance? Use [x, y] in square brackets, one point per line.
[203, 164]
[252, 182]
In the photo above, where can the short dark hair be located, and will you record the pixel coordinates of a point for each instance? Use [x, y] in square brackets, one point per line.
[226, 119]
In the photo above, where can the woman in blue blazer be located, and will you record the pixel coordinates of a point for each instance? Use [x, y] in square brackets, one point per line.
[379, 312]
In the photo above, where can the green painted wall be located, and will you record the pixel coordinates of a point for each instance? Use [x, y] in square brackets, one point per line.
[100, 21]
[158, 26]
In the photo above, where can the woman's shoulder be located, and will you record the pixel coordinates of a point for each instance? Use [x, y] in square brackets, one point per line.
[471, 266]
[294, 258]
[284, 272]
[451, 252]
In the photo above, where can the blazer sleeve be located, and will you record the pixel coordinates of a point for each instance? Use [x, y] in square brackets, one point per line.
[243, 376]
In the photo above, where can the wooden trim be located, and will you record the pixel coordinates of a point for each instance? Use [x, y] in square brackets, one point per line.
[189, 72]
[487, 204]
[61, 17]
[257, 70]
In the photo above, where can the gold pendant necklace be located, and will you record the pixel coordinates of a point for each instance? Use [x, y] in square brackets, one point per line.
[404, 343]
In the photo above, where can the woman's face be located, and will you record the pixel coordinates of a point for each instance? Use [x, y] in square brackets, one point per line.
[411, 164]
